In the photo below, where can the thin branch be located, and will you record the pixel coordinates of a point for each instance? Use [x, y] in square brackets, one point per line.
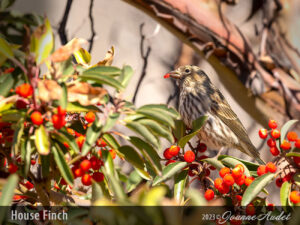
[62, 26]
[92, 25]
[145, 59]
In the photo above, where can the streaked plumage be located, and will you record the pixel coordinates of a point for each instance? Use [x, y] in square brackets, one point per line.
[198, 97]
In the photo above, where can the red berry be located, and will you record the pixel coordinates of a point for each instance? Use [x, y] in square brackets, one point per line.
[78, 172]
[224, 189]
[270, 207]
[29, 185]
[167, 75]
[228, 179]
[234, 221]
[249, 180]
[272, 124]
[98, 177]
[12, 168]
[238, 198]
[285, 145]
[271, 167]
[66, 145]
[297, 143]
[288, 177]
[189, 156]
[85, 165]
[96, 163]
[33, 162]
[63, 182]
[86, 179]
[36, 118]
[240, 180]
[241, 167]
[263, 133]
[9, 70]
[90, 117]
[24, 90]
[261, 170]
[275, 133]
[236, 172]
[224, 171]
[167, 154]
[174, 150]
[250, 209]
[297, 160]
[271, 142]
[170, 161]
[279, 182]
[58, 121]
[61, 111]
[218, 183]
[274, 151]
[201, 147]
[113, 153]
[209, 194]
[203, 157]
[21, 104]
[292, 136]
[295, 197]
[101, 143]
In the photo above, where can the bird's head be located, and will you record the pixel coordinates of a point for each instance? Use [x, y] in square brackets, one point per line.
[188, 74]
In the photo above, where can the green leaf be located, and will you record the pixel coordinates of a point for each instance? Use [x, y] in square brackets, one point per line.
[154, 196]
[214, 162]
[62, 164]
[26, 156]
[92, 134]
[169, 171]
[17, 136]
[158, 129]
[231, 162]
[196, 198]
[133, 180]
[111, 141]
[162, 108]
[82, 56]
[63, 136]
[297, 154]
[76, 107]
[135, 159]
[42, 42]
[284, 193]
[7, 194]
[285, 128]
[6, 49]
[197, 125]
[126, 74]
[45, 161]
[179, 185]
[103, 70]
[96, 192]
[6, 84]
[158, 116]
[250, 165]
[41, 140]
[110, 122]
[99, 78]
[179, 130]
[148, 152]
[6, 4]
[144, 132]
[12, 115]
[63, 101]
[256, 187]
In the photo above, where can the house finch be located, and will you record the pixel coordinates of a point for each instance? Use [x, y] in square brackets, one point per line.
[199, 97]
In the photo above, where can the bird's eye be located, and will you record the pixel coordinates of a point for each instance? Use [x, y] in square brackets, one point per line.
[187, 71]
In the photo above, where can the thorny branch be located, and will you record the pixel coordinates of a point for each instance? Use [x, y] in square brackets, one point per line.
[62, 26]
[91, 41]
[145, 61]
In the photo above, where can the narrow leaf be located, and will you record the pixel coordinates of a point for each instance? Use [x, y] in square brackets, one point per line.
[63, 101]
[126, 74]
[284, 193]
[26, 156]
[41, 140]
[5, 48]
[111, 141]
[111, 121]
[101, 79]
[179, 130]
[103, 70]
[161, 108]
[179, 185]
[250, 165]
[214, 162]
[63, 136]
[158, 116]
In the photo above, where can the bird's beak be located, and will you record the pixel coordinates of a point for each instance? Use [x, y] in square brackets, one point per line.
[174, 74]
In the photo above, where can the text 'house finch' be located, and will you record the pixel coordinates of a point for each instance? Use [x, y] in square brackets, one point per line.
[199, 97]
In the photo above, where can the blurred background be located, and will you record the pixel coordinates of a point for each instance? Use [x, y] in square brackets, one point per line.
[271, 29]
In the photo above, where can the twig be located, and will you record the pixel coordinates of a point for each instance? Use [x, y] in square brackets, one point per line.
[92, 25]
[145, 59]
[62, 26]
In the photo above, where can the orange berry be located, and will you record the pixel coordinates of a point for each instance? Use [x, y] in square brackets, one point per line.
[80, 140]
[241, 167]
[86, 179]
[228, 179]
[279, 182]
[101, 143]
[90, 117]
[285, 145]
[224, 171]
[201, 147]
[36, 118]
[12, 168]
[275, 133]
[218, 183]
[167, 75]
[261, 170]
[85, 165]
[274, 151]
[271, 167]
[292, 136]
[66, 145]
[58, 121]
[272, 124]
[113, 153]
[250, 209]
[295, 197]
[98, 177]
[61, 111]
[297, 143]
[209, 194]
[71, 131]
[78, 172]
[189, 156]
[263, 133]
[170, 161]
[174, 150]
[249, 180]
[224, 189]
[271, 142]
[236, 172]
[24, 90]
[167, 154]
[240, 180]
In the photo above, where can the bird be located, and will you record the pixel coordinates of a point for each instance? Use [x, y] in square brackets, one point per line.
[198, 96]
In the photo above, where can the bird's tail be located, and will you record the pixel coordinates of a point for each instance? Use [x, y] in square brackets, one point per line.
[252, 151]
